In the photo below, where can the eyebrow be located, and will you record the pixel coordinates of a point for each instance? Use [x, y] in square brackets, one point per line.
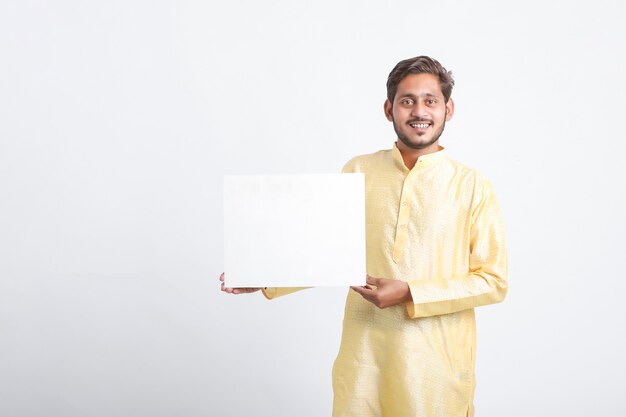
[413, 96]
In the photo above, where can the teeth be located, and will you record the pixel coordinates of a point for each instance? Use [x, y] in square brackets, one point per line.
[420, 125]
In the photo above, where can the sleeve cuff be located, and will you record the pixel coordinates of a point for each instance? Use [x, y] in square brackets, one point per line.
[273, 292]
[269, 293]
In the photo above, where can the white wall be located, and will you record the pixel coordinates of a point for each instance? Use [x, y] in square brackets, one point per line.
[118, 120]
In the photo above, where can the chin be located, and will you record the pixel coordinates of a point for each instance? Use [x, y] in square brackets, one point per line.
[418, 144]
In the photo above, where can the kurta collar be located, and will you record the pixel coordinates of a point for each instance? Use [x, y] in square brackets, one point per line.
[422, 161]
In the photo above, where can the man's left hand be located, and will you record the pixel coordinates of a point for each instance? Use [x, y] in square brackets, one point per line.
[383, 292]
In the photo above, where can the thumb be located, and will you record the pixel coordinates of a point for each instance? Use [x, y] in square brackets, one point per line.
[373, 281]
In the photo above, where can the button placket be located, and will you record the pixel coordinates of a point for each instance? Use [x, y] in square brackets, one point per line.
[402, 222]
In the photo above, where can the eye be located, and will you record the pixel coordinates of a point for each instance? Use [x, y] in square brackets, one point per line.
[431, 101]
[407, 102]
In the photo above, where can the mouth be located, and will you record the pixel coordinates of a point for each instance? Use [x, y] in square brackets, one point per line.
[420, 125]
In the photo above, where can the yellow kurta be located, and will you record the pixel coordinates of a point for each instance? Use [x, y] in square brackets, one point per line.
[437, 227]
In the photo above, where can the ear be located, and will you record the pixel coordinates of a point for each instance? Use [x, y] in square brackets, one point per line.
[388, 110]
[449, 109]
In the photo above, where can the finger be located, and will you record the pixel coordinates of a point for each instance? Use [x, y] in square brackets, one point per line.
[365, 292]
[373, 281]
[357, 289]
[243, 290]
[222, 277]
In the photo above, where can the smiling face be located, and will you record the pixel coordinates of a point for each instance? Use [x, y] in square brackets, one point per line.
[419, 113]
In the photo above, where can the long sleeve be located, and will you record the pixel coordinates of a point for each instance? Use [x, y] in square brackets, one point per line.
[272, 292]
[486, 279]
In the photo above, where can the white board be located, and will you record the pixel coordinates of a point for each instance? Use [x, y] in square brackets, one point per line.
[294, 230]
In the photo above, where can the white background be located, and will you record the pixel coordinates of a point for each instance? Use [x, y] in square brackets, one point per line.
[118, 120]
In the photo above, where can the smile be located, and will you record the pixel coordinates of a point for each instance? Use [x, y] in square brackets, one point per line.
[419, 125]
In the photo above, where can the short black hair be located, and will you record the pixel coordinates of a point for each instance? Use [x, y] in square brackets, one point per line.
[419, 65]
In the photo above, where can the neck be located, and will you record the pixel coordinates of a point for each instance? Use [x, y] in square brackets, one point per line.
[410, 155]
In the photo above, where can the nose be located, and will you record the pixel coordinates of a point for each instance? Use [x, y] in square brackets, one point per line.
[418, 109]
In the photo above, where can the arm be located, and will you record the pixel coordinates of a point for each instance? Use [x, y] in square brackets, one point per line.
[484, 283]
[269, 293]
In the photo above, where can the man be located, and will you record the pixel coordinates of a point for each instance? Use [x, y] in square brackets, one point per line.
[435, 250]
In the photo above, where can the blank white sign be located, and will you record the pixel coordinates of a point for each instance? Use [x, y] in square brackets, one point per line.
[294, 230]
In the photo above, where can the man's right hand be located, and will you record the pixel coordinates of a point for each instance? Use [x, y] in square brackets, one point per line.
[236, 290]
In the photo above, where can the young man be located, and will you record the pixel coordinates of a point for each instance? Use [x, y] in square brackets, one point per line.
[435, 250]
